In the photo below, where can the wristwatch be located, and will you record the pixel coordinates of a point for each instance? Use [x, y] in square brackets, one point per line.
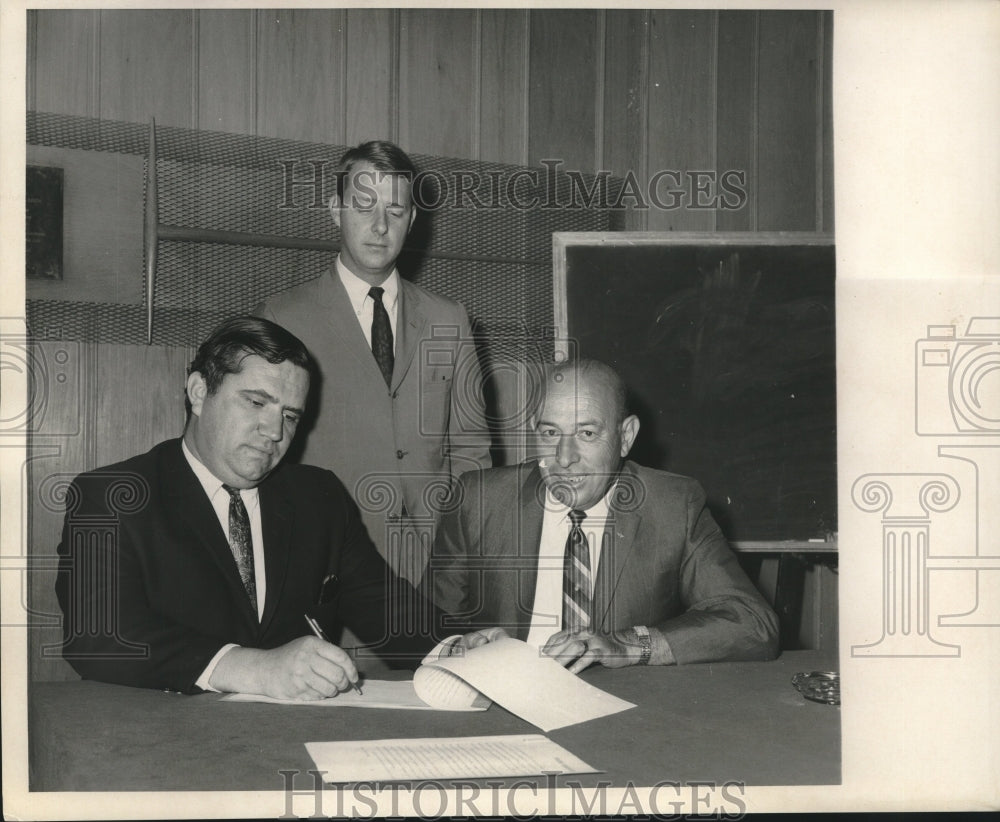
[645, 644]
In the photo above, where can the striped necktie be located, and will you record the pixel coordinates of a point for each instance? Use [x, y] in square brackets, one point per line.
[576, 577]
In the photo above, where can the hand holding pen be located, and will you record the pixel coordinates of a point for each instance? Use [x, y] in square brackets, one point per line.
[314, 625]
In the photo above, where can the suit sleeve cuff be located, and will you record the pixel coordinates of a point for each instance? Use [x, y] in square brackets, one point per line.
[661, 652]
[206, 675]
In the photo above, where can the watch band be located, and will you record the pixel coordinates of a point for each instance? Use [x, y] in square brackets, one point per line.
[645, 643]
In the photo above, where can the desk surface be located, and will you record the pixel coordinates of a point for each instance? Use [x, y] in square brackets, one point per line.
[740, 721]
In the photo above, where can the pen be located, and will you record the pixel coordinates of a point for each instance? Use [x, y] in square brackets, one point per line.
[319, 632]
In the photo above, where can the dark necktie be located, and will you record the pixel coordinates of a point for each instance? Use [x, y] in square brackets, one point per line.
[381, 334]
[576, 577]
[241, 542]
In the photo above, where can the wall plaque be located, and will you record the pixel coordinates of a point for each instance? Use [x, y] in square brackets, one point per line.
[44, 205]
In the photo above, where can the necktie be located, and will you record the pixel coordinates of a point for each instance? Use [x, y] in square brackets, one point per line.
[576, 577]
[241, 543]
[381, 334]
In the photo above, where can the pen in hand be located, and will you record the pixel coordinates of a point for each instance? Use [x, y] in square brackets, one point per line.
[314, 625]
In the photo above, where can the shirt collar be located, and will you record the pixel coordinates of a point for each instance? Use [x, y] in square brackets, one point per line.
[211, 483]
[598, 511]
[357, 289]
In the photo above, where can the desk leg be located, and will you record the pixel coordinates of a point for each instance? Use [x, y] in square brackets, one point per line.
[788, 593]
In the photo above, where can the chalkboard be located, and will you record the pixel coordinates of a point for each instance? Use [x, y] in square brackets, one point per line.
[727, 345]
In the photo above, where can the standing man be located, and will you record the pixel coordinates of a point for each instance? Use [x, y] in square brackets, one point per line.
[192, 567]
[590, 557]
[401, 410]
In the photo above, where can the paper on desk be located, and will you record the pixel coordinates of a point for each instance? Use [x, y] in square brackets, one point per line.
[517, 676]
[378, 693]
[470, 757]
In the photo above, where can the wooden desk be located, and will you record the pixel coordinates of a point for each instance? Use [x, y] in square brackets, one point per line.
[739, 721]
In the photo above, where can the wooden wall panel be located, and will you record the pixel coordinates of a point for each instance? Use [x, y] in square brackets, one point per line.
[439, 81]
[626, 87]
[736, 118]
[563, 88]
[146, 66]
[787, 154]
[682, 109]
[226, 93]
[503, 116]
[371, 42]
[826, 125]
[114, 401]
[66, 46]
[626, 90]
[300, 74]
[63, 442]
[141, 397]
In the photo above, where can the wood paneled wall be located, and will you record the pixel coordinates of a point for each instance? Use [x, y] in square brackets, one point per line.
[641, 91]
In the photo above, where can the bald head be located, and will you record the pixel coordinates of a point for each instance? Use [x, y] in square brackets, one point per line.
[592, 374]
[583, 431]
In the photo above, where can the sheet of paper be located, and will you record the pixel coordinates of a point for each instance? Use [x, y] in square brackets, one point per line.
[534, 687]
[470, 757]
[378, 693]
[446, 691]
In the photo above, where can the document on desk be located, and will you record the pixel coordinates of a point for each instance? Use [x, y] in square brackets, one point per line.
[521, 679]
[510, 672]
[468, 757]
[378, 693]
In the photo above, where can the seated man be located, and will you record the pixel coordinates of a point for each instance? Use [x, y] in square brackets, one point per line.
[192, 567]
[591, 557]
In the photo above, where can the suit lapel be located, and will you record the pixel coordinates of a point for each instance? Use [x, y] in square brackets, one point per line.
[616, 549]
[343, 322]
[530, 513]
[410, 323]
[276, 516]
[192, 507]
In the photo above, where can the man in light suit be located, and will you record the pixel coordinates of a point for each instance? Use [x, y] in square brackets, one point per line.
[401, 409]
[591, 557]
[192, 567]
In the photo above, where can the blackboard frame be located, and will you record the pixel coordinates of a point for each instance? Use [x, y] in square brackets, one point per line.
[564, 243]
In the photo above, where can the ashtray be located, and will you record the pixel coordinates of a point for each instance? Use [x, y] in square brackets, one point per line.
[819, 686]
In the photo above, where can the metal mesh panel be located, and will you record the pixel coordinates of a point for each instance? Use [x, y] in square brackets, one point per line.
[229, 182]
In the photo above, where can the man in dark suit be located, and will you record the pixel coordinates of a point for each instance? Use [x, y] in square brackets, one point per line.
[591, 557]
[401, 409]
[193, 566]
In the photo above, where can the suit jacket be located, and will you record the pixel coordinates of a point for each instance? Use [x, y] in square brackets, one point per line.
[150, 591]
[391, 447]
[664, 563]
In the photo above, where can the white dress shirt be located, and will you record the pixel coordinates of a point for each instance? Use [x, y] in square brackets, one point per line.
[546, 618]
[363, 305]
[219, 497]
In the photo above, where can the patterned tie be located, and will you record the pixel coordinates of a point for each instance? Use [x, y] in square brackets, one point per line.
[381, 334]
[241, 542]
[576, 577]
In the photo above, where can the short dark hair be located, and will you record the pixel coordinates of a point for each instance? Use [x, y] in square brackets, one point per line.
[240, 337]
[587, 369]
[381, 155]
